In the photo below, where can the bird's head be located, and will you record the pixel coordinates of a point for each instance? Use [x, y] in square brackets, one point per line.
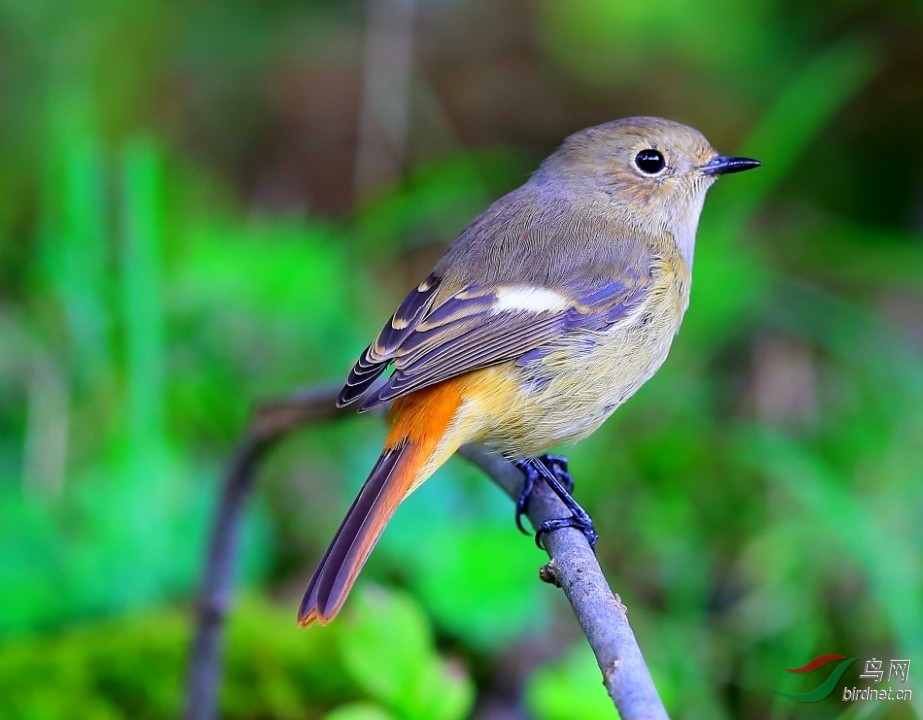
[654, 172]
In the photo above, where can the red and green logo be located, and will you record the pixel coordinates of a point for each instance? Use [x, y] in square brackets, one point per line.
[826, 687]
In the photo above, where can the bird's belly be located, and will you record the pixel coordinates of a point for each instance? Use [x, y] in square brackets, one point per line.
[569, 393]
[587, 387]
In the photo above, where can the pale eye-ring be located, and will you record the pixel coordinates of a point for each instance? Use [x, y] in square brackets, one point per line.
[650, 161]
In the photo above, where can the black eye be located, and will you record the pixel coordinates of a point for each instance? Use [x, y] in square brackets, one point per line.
[650, 162]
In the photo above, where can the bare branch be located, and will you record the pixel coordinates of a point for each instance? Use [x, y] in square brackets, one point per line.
[572, 566]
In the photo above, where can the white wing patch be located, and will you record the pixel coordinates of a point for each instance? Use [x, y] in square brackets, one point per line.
[531, 299]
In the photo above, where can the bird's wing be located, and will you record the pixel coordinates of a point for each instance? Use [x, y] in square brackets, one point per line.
[432, 338]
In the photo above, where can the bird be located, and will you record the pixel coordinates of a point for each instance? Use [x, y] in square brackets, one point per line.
[544, 315]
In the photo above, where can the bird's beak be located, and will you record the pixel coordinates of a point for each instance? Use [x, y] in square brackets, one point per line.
[722, 164]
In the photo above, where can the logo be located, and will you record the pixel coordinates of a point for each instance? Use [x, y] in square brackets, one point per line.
[826, 687]
[897, 669]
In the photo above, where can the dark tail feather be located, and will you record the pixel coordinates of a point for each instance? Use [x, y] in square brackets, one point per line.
[389, 482]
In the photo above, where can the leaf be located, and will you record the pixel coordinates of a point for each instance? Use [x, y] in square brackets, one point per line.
[359, 711]
[570, 689]
[387, 649]
[387, 646]
[486, 567]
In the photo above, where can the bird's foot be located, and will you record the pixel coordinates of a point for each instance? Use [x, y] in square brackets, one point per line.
[553, 470]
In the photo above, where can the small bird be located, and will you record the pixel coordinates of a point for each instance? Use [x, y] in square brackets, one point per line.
[545, 314]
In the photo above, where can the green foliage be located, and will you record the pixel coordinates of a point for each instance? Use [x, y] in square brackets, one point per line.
[97, 671]
[569, 689]
[388, 652]
[133, 668]
[618, 39]
[358, 711]
[476, 567]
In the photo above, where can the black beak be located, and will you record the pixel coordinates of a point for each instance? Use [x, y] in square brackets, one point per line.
[722, 165]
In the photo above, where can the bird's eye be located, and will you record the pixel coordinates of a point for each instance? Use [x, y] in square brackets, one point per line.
[650, 161]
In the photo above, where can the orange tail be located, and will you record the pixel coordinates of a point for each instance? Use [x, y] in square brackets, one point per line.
[413, 451]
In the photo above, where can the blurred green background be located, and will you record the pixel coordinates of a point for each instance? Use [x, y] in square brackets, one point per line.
[208, 204]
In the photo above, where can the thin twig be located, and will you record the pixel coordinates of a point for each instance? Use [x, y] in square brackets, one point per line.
[572, 566]
[269, 423]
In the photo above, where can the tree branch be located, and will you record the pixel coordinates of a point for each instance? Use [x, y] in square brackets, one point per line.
[572, 567]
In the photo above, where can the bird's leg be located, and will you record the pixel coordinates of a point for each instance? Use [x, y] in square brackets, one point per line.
[558, 465]
[553, 470]
[529, 477]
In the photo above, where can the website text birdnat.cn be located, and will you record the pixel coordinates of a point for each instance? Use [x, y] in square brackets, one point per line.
[897, 669]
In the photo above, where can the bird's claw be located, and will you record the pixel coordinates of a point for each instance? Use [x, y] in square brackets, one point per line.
[583, 524]
[552, 469]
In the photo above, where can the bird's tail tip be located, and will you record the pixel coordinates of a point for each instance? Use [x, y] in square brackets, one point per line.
[312, 617]
[389, 482]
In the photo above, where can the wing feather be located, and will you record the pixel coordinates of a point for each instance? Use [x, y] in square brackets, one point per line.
[431, 338]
